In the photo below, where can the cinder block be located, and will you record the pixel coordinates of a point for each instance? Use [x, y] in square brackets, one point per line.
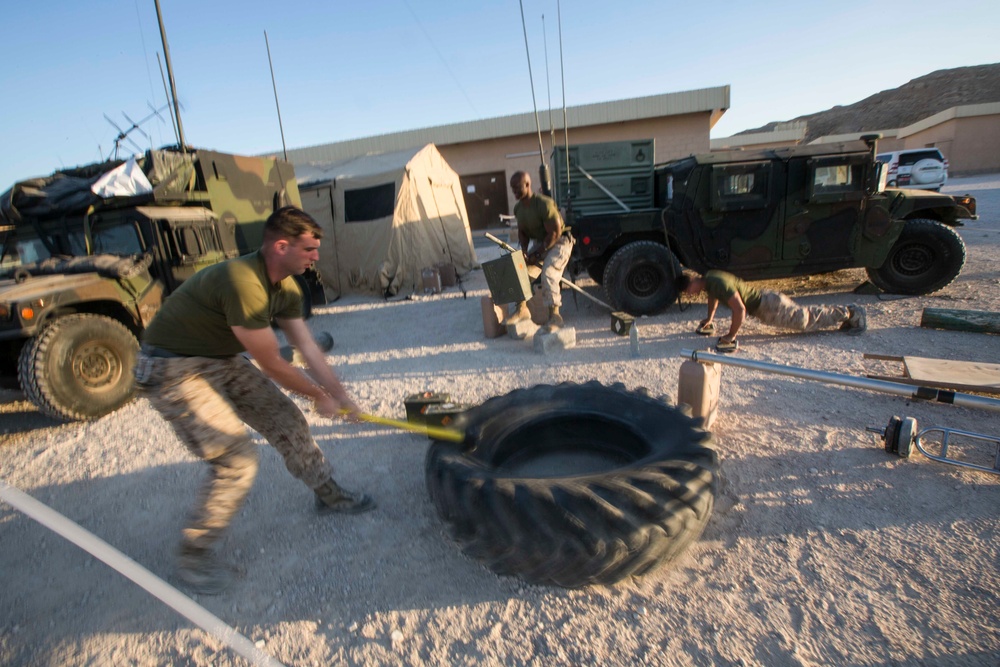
[560, 339]
[492, 317]
[520, 330]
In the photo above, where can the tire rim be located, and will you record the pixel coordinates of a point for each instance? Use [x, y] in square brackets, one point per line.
[643, 281]
[914, 260]
[96, 366]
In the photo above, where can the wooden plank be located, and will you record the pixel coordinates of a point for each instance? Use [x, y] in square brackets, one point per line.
[882, 357]
[966, 374]
[977, 321]
[974, 376]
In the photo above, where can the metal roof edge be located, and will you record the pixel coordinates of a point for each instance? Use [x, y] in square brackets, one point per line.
[752, 139]
[637, 108]
[965, 111]
[852, 136]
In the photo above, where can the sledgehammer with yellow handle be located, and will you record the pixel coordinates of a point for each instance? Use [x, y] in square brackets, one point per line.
[436, 432]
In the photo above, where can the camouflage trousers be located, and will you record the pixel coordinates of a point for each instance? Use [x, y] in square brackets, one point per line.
[209, 403]
[778, 310]
[552, 270]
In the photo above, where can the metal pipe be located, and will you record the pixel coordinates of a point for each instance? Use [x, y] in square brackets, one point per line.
[899, 389]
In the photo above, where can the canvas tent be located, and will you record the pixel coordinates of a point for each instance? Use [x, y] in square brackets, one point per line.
[386, 218]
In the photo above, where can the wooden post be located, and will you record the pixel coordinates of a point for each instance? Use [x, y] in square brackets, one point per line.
[978, 321]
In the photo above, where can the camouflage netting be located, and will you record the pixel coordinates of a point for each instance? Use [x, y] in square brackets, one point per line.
[68, 191]
[109, 266]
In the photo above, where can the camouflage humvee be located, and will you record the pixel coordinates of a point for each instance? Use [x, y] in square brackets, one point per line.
[771, 214]
[82, 275]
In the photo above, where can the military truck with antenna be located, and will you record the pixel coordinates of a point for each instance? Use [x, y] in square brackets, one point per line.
[758, 214]
[81, 274]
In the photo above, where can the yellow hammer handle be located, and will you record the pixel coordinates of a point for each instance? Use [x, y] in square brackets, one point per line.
[439, 433]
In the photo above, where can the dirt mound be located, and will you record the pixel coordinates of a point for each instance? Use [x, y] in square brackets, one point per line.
[907, 104]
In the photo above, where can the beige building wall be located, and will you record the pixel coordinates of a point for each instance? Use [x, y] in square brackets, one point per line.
[971, 143]
[484, 151]
[673, 136]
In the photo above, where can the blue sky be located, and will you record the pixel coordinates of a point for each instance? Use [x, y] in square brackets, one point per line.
[352, 69]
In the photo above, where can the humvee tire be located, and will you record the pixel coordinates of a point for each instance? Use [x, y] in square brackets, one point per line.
[639, 278]
[79, 367]
[574, 484]
[926, 257]
[596, 271]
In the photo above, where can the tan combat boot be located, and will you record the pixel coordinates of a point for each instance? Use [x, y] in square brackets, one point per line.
[201, 572]
[555, 319]
[522, 313]
[331, 498]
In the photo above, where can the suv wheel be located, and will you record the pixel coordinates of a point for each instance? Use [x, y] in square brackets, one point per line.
[926, 257]
[79, 367]
[640, 278]
[574, 484]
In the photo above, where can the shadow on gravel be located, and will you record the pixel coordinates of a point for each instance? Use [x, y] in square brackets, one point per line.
[17, 415]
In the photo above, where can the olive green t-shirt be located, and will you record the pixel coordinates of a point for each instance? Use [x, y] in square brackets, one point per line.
[722, 286]
[197, 319]
[532, 215]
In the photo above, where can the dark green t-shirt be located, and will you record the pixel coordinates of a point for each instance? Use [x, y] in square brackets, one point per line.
[722, 286]
[532, 215]
[197, 319]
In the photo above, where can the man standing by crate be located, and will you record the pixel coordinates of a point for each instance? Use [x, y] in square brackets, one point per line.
[545, 242]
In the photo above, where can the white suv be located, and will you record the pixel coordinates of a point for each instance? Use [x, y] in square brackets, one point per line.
[920, 168]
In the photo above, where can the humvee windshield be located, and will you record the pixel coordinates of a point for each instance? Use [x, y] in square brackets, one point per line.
[116, 239]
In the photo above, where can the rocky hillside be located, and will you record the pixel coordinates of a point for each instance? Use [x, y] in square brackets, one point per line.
[899, 107]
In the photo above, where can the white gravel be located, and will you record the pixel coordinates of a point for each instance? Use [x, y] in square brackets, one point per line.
[823, 549]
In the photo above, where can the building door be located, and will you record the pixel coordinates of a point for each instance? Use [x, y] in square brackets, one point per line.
[485, 199]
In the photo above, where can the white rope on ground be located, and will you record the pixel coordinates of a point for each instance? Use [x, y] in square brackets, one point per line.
[142, 577]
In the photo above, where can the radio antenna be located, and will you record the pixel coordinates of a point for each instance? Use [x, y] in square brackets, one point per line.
[170, 75]
[284, 151]
[562, 75]
[166, 91]
[548, 85]
[543, 170]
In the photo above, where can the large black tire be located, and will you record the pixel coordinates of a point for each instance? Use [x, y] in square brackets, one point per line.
[595, 270]
[639, 278]
[574, 484]
[79, 367]
[926, 257]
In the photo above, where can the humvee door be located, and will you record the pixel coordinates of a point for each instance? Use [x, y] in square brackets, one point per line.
[824, 197]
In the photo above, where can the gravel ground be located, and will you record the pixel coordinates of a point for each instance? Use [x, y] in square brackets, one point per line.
[822, 550]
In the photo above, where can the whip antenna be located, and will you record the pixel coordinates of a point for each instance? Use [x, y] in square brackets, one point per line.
[548, 86]
[543, 170]
[166, 91]
[562, 75]
[284, 151]
[170, 75]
